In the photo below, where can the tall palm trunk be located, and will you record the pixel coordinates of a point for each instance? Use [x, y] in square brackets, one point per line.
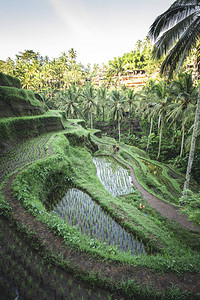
[160, 140]
[174, 132]
[91, 118]
[160, 125]
[119, 130]
[192, 147]
[103, 113]
[183, 137]
[150, 131]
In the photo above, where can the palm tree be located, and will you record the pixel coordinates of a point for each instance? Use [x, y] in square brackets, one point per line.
[68, 100]
[131, 98]
[185, 92]
[176, 32]
[147, 105]
[72, 54]
[116, 67]
[89, 95]
[160, 91]
[102, 96]
[46, 99]
[117, 108]
[138, 45]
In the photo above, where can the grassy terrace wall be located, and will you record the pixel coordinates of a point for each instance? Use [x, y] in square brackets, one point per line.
[14, 129]
[170, 248]
[16, 102]
[6, 80]
[22, 115]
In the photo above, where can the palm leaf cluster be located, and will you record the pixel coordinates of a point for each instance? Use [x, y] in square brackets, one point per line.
[175, 33]
[167, 106]
[96, 104]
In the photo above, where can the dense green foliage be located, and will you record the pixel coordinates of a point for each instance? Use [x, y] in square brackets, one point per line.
[26, 127]
[6, 80]
[150, 131]
[19, 102]
[138, 59]
[63, 160]
[166, 111]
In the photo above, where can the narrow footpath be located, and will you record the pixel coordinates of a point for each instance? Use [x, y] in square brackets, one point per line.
[169, 211]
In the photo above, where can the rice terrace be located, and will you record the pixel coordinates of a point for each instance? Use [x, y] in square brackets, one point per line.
[75, 220]
[100, 165]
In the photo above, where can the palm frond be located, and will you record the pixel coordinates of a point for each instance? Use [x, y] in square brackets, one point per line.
[169, 18]
[168, 39]
[181, 49]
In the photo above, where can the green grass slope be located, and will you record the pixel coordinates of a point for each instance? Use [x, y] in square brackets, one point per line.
[67, 160]
[16, 102]
[22, 115]
[6, 80]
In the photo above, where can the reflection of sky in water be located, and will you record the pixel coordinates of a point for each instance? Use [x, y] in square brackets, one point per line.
[114, 177]
[78, 209]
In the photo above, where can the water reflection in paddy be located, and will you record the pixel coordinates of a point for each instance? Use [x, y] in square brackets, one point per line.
[113, 176]
[78, 209]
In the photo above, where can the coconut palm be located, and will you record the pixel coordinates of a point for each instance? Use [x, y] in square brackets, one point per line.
[147, 105]
[72, 54]
[116, 67]
[68, 101]
[139, 45]
[161, 94]
[89, 95]
[185, 92]
[117, 108]
[102, 96]
[175, 33]
[131, 100]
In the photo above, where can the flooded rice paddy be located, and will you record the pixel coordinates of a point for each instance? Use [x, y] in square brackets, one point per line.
[113, 176]
[78, 209]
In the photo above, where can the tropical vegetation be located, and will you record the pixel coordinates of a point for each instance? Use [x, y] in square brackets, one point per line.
[89, 173]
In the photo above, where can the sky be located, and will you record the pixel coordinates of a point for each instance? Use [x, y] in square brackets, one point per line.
[97, 30]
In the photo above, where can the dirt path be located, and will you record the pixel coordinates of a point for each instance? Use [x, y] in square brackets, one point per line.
[167, 210]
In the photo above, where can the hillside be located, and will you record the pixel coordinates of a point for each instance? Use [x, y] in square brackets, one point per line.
[84, 217]
[22, 115]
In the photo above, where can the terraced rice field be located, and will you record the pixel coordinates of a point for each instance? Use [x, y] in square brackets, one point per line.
[78, 209]
[114, 177]
[23, 153]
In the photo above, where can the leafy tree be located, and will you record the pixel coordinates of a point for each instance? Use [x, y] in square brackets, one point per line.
[176, 32]
[102, 96]
[28, 56]
[89, 96]
[68, 100]
[185, 92]
[117, 108]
